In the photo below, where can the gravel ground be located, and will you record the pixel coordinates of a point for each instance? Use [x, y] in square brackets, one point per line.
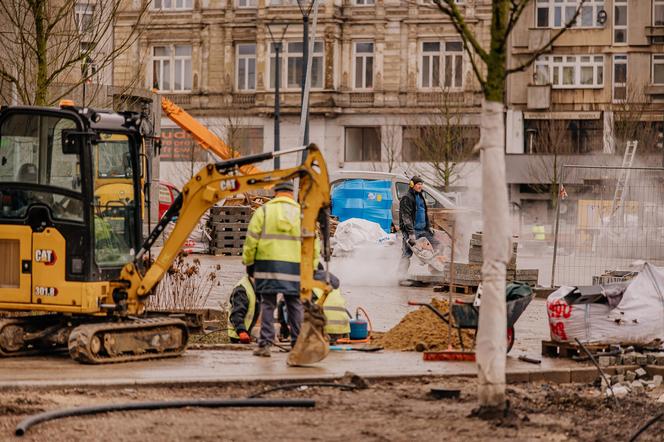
[387, 411]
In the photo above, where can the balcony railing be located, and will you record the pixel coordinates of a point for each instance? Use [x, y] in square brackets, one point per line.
[179, 99]
[361, 98]
[244, 99]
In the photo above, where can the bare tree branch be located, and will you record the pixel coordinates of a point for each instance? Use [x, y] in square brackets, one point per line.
[453, 12]
[548, 45]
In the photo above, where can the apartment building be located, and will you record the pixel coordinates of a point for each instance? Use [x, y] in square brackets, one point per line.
[599, 85]
[380, 69]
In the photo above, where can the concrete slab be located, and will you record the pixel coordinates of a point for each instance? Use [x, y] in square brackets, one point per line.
[220, 366]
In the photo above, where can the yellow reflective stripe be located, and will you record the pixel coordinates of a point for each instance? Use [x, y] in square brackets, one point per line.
[277, 276]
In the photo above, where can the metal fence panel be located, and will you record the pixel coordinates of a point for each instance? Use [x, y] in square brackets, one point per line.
[600, 228]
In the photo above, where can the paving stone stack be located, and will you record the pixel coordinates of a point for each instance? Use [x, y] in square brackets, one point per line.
[228, 225]
[471, 274]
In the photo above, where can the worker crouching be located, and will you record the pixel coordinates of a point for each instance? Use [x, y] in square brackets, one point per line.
[244, 310]
[337, 319]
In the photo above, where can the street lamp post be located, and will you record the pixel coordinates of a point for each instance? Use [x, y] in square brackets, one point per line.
[278, 45]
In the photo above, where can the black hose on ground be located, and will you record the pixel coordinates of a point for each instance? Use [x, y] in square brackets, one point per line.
[26, 424]
[303, 384]
[645, 427]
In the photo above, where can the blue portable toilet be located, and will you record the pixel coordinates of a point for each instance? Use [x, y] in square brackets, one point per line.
[364, 199]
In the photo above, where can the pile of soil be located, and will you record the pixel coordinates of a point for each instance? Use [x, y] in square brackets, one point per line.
[423, 330]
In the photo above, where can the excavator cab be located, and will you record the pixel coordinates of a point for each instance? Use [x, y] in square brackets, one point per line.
[57, 228]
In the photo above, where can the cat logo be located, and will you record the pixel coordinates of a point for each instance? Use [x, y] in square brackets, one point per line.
[46, 291]
[229, 185]
[48, 257]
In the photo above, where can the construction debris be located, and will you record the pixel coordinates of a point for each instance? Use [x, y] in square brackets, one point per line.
[424, 330]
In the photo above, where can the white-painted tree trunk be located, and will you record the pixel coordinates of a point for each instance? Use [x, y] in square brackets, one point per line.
[492, 332]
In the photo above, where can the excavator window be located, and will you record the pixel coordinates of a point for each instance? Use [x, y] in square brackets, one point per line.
[35, 170]
[115, 201]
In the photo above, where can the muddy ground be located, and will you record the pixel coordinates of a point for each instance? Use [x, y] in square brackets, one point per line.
[386, 411]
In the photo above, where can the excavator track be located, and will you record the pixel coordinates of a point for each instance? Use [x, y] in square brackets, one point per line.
[134, 340]
[20, 336]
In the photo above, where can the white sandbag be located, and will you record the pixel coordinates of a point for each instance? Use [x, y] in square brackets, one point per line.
[356, 232]
[587, 322]
[638, 318]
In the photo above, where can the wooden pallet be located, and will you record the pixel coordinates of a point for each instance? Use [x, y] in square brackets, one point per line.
[226, 251]
[232, 243]
[226, 218]
[568, 350]
[461, 289]
[230, 227]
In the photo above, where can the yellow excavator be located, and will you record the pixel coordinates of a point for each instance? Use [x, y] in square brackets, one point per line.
[75, 273]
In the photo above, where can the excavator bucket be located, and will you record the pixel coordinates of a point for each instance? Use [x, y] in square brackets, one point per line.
[312, 344]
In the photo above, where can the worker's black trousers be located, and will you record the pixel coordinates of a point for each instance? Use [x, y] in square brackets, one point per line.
[295, 315]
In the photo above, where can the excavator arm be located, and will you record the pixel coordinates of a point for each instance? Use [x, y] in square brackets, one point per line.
[210, 185]
[203, 136]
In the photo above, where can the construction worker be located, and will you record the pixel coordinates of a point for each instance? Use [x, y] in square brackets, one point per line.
[243, 311]
[273, 249]
[337, 319]
[539, 234]
[413, 222]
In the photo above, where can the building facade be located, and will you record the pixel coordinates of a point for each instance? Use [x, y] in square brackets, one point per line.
[600, 85]
[380, 70]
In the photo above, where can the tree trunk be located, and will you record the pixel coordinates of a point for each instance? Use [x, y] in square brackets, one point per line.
[492, 330]
[41, 89]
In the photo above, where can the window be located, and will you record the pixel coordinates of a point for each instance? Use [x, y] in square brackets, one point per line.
[442, 60]
[438, 143]
[362, 144]
[619, 77]
[557, 13]
[84, 14]
[620, 21]
[364, 57]
[564, 136]
[32, 155]
[658, 69]
[246, 67]
[570, 71]
[365, 2]
[658, 13]
[171, 68]
[247, 3]
[172, 4]
[291, 64]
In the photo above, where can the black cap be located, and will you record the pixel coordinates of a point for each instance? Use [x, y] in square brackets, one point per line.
[286, 186]
[416, 179]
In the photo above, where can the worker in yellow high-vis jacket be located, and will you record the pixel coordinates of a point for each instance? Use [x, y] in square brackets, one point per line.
[337, 319]
[272, 253]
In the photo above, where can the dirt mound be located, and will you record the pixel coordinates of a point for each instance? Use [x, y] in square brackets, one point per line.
[423, 327]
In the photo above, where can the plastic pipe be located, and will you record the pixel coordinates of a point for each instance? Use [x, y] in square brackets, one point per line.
[26, 424]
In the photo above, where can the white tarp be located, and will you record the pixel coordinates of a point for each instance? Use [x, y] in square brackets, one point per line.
[637, 319]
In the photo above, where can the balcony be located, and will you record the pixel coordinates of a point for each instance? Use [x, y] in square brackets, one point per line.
[539, 97]
[179, 99]
[244, 99]
[655, 34]
[655, 89]
[538, 37]
[361, 98]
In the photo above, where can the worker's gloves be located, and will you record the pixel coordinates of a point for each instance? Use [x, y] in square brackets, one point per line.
[244, 337]
[411, 240]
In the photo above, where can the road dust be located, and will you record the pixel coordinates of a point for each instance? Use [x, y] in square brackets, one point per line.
[422, 329]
